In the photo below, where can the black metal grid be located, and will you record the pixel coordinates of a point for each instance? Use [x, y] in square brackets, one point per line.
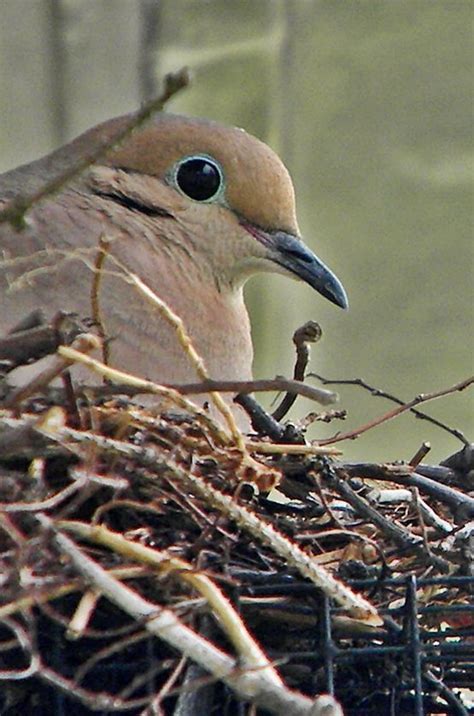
[404, 668]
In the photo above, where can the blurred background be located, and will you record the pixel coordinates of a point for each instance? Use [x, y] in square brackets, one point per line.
[369, 103]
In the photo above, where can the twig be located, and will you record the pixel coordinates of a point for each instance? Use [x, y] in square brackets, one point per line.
[15, 210]
[25, 643]
[131, 637]
[397, 496]
[52, 501]
[145, 386]
[376, 392]
[431, 517]
[356, 605]
[165, 689]
[102, 254]
[185, 340]
[162, 622]
[443, 475]
[262, 422]
[35, 597]
[338, 478]
[403, 475]
[84, 343]
[310, 332]
[422, 398]
[250, 653]
[324, 397]
[415, 501]
[82, 614]
[20, 347]
[291, 449]
[420, 454]
[93, 700]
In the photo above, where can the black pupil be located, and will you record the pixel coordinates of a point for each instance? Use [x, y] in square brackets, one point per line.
[199, 179]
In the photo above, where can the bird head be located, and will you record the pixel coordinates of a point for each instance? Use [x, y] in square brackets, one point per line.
[230, 195]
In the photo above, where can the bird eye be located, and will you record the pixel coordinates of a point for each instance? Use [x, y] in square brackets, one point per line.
[200, 178]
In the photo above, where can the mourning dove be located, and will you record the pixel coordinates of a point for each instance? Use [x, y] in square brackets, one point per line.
[190, 206]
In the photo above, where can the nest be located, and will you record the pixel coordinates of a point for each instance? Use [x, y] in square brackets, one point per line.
[156, 562]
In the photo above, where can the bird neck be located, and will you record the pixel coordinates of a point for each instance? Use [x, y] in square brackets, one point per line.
[214, 315]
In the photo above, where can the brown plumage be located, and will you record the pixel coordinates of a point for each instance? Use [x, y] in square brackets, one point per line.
[192, 207]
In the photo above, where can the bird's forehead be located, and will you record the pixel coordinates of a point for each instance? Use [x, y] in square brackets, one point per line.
[258, 186]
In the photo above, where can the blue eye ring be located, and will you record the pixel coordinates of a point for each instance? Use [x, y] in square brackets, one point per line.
[199, 177]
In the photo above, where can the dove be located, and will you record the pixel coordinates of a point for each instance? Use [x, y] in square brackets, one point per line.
[191, 207]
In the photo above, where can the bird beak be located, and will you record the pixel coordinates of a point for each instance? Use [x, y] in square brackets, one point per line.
[291, 253]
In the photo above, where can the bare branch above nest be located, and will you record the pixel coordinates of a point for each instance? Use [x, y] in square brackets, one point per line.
[15, 210]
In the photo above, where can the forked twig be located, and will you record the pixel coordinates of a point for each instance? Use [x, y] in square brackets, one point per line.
[418, 400]
[378, 393]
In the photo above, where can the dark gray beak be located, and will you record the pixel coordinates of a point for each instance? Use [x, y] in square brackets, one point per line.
[291, 253]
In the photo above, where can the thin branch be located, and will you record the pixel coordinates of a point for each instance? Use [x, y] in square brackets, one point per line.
[378, 393]
[338, 478]
[15, 210]
[262, 422]
[93, 700]
[420, 454]
[324, 397]
[422, 398]
[404, 475]
[290, 449]
[43, 596]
